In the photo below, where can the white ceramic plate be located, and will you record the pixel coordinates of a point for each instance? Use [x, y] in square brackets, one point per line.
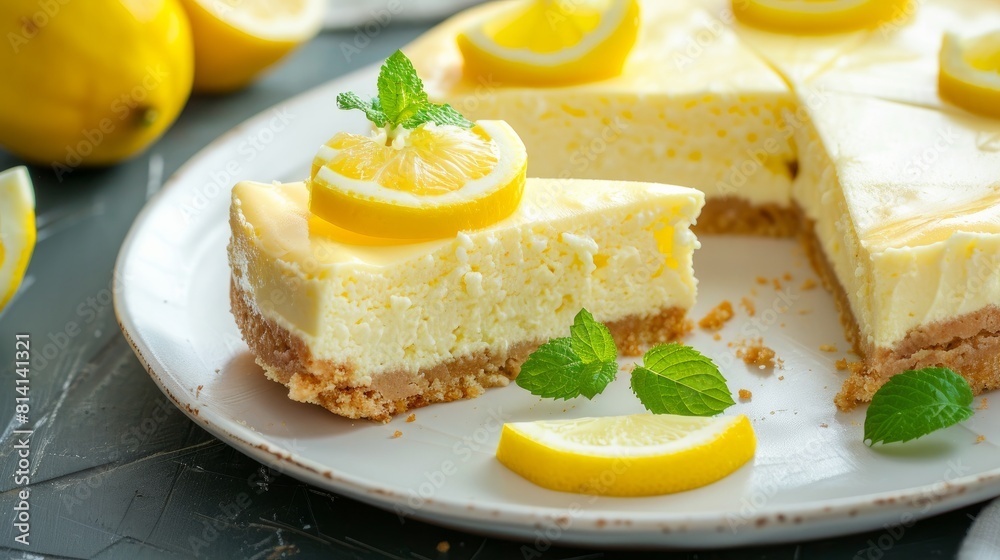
[812, 476]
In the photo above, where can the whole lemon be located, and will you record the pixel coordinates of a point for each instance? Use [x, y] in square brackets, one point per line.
[91, 83]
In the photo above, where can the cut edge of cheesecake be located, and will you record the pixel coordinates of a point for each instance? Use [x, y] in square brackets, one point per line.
[968, 344]
[286, 359]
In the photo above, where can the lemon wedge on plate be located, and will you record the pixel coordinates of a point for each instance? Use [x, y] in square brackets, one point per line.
[970, 72]
[17, 229]
[637, 455]
[817, 16]
[236, 40]
[540, 42]
[422, 183]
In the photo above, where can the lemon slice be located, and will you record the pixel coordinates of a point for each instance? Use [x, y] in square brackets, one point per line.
[236, 40]
[970, 73]
[539, 42]
[429, 182]
[817, 16]
[17, 229]
[638, 455]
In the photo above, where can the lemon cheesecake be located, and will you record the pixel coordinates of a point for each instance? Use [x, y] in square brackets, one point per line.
[866, 127]
[368, 328]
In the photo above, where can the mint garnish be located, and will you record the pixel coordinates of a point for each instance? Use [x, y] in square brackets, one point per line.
[401, 101]
[677, 379]
[915, 403]
[582, 364]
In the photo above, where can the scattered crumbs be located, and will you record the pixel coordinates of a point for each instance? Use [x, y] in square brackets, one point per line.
[745, 395]
[716, 337]
[777, 284]
[754, 353]
[411, 417]
[396, 434]
[984, 404]
[749, 306]
[787, 277]
[841, 364]
[980, 439]
[805, 311]
[772, 413]
[781, 365]
[809, 284]
[824, 425]
[781, 378]
[218, 370]
[761, 280]
[443, 547]
[717, 317]
[827, 348]
[200, 387]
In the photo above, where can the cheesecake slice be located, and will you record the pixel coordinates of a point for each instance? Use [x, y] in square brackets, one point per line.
[369, 327]
[693, 106]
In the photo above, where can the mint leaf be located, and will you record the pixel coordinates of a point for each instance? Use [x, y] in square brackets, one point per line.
[400, 89]
[440, 115]
[595, 377]
[372, 109]
[677, 379]
[402, 101]
[917, 402]
[553, 371]
[583, 364]
[592, 341]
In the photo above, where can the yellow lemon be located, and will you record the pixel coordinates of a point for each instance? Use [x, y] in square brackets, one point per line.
[818, 16]
[637, 455]
[539, 42]
[17, 229]
[970, 73]
[236, 40]
[428, 182]
[91, 83]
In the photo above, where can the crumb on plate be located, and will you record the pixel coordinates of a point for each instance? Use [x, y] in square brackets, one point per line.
[717, 317]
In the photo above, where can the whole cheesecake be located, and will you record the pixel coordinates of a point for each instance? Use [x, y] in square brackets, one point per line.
[369, 327]
[841, 138]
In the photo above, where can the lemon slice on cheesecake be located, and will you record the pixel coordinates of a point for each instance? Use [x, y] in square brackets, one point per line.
[544, 42]
[428, 182]
[17, 229]
[637, 455]
[817, 16]
[970, 72]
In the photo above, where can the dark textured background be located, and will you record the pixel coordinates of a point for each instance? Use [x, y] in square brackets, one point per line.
[120, 473]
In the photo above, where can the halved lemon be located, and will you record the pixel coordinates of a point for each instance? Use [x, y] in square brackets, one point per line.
[637, 455]
[818, 16]
[17, 229]
[970, 72]
[428, 182]
[540, 42]
[236, 40]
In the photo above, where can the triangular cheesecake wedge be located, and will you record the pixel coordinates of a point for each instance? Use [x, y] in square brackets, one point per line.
[369, 327]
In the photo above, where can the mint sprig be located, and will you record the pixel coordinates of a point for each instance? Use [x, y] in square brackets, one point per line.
[915, 403]
[677, 379]
[582, 364]
[401, 101]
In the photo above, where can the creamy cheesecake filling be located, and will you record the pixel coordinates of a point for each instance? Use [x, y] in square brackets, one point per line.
[656, 122]
[618, 249]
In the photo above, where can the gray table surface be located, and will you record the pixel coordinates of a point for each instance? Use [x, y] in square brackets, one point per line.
[118, 472]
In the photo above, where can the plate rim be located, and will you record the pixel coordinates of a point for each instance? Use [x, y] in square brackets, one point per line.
[512, 521]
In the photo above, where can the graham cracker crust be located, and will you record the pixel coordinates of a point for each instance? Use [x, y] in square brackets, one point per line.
[735, 215]
[969, 344]
[287, 359]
